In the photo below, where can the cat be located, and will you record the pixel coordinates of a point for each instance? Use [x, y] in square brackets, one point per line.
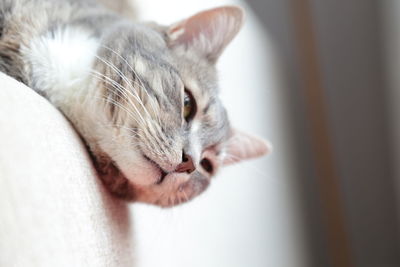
[143, 96]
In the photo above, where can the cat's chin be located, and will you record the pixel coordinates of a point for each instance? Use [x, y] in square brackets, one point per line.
[113, 179]
[169, 190]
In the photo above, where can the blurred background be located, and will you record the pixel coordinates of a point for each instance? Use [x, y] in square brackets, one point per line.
[320, 80]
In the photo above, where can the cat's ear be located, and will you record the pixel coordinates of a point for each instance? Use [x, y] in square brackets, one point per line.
[243, 146]
[208, 32]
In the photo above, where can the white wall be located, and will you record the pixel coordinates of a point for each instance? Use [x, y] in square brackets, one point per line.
[249, 215]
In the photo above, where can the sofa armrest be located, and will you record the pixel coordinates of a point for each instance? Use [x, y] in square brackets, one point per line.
[54, 210]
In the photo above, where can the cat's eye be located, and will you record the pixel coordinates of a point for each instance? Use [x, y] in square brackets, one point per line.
[207, 165]
[189, 106]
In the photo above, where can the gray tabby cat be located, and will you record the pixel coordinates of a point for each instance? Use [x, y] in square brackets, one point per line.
[144, 97]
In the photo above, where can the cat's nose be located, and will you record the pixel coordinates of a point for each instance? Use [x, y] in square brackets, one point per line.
[186, 165]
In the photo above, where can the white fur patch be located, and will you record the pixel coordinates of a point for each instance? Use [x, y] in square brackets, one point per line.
[61, 61]
[195, 142]
[140, 66]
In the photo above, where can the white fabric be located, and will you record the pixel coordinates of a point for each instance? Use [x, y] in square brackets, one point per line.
[53, 209]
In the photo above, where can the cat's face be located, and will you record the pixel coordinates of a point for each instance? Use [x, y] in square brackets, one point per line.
[165, 132]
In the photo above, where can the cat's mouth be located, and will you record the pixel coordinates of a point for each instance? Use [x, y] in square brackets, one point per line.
[162, 177]
[163, 173]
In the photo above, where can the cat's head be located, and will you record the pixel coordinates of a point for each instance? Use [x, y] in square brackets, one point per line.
[164, 132]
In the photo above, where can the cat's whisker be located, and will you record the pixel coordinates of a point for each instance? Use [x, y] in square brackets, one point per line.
[163, 137]
[120, 89]
[156, 137]
[113, 67]
[152, 133]
[126, 80]
[117, 104]
[113, 125]
[125, 61]
[132, 132]
[135, 135]
[115, 85]
[138, 77]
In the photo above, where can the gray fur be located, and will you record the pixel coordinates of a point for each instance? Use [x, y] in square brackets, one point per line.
[131, 44]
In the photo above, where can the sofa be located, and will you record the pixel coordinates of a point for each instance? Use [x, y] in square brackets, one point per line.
[52, 205]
